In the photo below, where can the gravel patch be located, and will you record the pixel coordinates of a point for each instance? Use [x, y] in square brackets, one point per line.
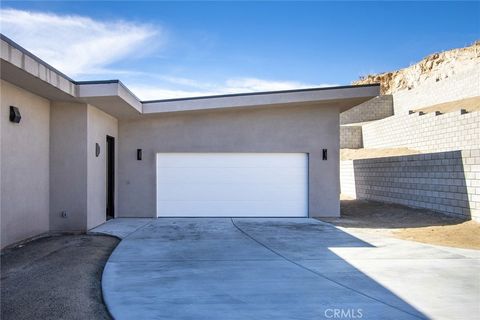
[56, 277]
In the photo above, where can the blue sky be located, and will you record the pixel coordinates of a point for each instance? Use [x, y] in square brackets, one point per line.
[173, 49]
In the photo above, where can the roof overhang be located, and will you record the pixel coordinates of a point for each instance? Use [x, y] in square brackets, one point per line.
[343, 98]
[110, 96]
[27, 71]
[24, 79]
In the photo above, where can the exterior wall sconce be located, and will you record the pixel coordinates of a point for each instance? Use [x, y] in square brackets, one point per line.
[15, 115]
[324, 154]
[97, 150]
[139, 154]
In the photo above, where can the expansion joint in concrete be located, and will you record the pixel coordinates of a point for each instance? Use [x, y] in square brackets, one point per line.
[315, 272]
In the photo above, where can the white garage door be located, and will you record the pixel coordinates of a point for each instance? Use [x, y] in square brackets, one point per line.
[232, 185]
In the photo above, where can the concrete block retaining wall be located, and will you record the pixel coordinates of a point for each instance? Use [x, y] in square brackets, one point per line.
[446, 182]
[374, 109]
[427, 133]
[351, 137]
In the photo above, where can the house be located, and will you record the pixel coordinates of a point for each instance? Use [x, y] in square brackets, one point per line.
[75, 153]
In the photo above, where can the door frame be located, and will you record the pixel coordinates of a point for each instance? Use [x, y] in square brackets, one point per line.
[110, 178]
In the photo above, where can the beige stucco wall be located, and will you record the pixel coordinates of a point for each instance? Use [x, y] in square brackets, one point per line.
[68, 166]
[100, 125]
[78, 177]
[286, 129]
[24, 165]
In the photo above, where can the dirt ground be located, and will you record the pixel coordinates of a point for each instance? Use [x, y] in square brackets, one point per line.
[408, 223]
[57, 277]
[353, 154]
[469, 104]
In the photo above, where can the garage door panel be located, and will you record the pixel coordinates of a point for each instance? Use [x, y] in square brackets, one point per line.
[232, 184]
[243, 160]
[230, 209]
[230, 192]
[230, 175]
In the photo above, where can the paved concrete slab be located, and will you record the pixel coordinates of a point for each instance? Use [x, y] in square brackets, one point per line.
[218, 250]
[174, 229]
[121, 227]
[283, 268]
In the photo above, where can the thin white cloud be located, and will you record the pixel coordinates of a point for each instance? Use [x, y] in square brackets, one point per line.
[75, 44]
[236, 85]
[254, 84]
[80, 46]
[147, 92]
[187, 82]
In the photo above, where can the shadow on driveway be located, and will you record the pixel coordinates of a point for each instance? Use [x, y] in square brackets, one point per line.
[374, 214]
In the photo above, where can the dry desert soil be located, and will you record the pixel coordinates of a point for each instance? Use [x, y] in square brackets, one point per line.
[408, 223]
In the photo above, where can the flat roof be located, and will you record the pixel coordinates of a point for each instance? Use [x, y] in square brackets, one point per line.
[343, 97]
[261, 93]
[24, 69]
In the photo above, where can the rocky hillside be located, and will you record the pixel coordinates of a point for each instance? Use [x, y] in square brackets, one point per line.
[436, 66]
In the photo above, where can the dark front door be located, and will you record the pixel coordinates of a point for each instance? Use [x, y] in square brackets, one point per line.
[110, 177]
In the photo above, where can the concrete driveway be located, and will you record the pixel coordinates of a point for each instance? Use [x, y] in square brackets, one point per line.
[253, 268]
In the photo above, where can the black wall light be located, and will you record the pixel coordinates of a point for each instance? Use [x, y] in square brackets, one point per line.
[324, 154]
[97, 150]
[15, 115]
[139, 154]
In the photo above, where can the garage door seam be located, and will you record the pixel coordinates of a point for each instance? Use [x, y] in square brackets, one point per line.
[317, 273]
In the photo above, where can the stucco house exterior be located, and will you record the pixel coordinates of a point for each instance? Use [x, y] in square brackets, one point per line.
[83, 151]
